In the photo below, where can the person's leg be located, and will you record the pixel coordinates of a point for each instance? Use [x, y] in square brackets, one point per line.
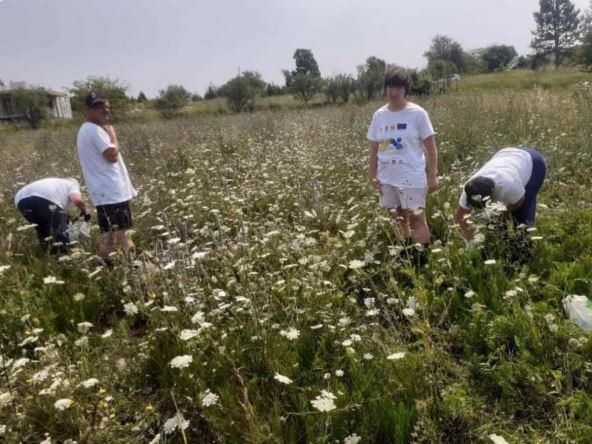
[107, 240]
[419, 226]
[123, 220]
[114, 221]
[389, 199]
[59, 230]
[124, 241]
[36, 211]
[107, 245]
[527, 212]
[414, 199]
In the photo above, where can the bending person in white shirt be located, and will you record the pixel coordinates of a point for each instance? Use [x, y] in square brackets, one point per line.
[513, 177]
[109, 185]
[46, 203]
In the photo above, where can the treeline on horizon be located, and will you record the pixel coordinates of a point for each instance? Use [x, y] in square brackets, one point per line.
[562, 36]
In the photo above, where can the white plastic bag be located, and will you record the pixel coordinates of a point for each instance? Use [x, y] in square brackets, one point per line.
[79, 230]
[579, 310]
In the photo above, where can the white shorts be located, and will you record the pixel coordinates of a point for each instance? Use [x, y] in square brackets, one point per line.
[404, 198]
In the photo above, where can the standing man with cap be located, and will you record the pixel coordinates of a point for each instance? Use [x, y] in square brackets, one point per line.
[513, 177]
[108, 182]
[45, 203]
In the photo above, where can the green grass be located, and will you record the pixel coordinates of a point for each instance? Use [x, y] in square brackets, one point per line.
[524, 79]
[280, 205]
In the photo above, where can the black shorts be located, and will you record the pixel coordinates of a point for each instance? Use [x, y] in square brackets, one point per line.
[114, 217]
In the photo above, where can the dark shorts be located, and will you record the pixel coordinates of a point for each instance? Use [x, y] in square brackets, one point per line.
[51, 222]
[526, 213]
[114, 217]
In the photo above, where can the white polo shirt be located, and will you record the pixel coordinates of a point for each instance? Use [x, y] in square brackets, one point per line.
[53, 189]
[108, 183]
[400, 136]
[510, 169]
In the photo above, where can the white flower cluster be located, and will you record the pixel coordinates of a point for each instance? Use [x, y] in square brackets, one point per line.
[325, 402]
[182, 361]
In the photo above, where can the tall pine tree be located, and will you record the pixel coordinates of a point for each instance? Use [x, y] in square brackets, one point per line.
[558, 28]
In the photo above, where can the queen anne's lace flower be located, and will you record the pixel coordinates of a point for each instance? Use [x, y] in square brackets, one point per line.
[325, 402]
[182, 361]
[63, 404]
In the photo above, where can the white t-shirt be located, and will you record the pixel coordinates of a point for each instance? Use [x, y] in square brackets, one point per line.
[107, 182]
[400, 134]
[510, 169]
[54, 189]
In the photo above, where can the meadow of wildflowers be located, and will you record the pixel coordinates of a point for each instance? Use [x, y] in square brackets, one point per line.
[270, 302]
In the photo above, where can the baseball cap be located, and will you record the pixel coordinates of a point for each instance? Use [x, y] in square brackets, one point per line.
[94, 98]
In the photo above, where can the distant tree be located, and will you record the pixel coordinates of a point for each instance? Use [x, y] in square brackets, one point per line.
[441, 69]
[170, 101]
[1, 82]
[211, 92]
[32, 104]
[445, 48]
[114, 89]
[274, 90]
[421, 84]
[497, 56]
[255, 80]
[240, 94]
[584, 52]
[474, 63]
[339, 87]
[305, 65]
[195, 97]
[557, 28]
[142, 97]
[370, 79]
[304, 87]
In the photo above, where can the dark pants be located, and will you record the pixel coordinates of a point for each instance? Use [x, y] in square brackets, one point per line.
[51, 221]
[526, 213]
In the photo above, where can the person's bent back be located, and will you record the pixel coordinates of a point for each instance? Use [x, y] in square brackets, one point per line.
[45, 203]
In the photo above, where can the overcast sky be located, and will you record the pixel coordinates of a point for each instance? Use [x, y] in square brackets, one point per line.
[153, 43]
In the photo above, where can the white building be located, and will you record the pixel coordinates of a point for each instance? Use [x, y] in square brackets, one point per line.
[58, 103]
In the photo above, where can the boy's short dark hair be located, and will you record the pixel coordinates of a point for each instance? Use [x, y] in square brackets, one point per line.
[479, 190]
[397, 77]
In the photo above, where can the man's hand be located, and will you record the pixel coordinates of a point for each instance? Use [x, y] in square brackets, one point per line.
[112, 134]
[87, 215]
[433, 183]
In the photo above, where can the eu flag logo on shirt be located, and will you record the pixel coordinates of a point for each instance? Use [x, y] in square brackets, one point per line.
[401, 126]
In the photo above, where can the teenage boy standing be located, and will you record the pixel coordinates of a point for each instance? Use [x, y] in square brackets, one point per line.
[402, 142]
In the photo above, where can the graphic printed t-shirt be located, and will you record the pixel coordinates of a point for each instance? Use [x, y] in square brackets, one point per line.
[510, 169]
[53, 189]
[108, 183]
[400, 134]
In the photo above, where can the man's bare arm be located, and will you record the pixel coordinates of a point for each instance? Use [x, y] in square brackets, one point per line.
[77, 200]
[111, 155]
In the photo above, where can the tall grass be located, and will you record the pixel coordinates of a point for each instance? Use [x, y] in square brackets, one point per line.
[265, 262]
